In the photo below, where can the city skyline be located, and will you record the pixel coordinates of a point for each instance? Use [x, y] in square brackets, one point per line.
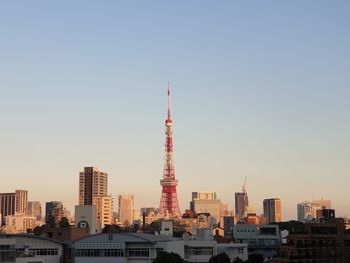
[255, 93]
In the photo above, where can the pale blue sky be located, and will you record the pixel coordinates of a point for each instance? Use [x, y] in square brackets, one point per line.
[260, 89]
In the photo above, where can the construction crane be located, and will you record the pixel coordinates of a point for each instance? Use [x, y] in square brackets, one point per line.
[244, 188]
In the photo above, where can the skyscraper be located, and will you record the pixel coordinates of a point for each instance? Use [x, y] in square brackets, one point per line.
[92, 183]
[169, 204]
[272, 210]
[241, 203]
[125, 209]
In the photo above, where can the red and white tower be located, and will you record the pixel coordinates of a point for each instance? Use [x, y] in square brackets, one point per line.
[169, 204]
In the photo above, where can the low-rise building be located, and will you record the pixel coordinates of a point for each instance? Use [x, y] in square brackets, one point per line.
[19, 223]
[28, 248]
[261, 239]
[140, 247]
[328, 241]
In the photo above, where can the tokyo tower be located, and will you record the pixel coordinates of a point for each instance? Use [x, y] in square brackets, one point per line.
[169, 204]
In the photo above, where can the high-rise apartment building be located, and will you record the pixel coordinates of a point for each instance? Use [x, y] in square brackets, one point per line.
[272, 210]
[12, 203]
[92, 183]
[54, 212]
[126, 209]
[104, 210]
[34, 210]
[241, 203]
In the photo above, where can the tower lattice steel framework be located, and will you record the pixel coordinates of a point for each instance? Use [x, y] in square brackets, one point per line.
[169, 204]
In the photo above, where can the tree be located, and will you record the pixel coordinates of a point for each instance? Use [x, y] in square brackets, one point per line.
[64, 223]
[220, 258]
[237, 260]
[292, 226]
[163, 257]
[111, 229]
[256, 258]
[51, 221]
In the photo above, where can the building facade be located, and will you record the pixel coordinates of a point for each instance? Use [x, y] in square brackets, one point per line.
[241, 202]
[104, 210]
[29, 248]
[140, 247]
[307, 210]
[206, 202]
[92, 183]
[272, 210]
[54, 212]
[125, 209]
[320, 242]
[19, 223]
[12, 203]
[34, 209]
[261, 239]
[85, 217]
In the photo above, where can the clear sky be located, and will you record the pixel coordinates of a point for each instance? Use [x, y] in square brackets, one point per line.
[260, 89]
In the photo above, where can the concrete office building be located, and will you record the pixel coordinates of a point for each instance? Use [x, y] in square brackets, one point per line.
[21, 201]
[12, 203]
[104, 210]
[261, 239]
[92, 183]
[29, 248]
[206, 202]
[140, 247]
[85, 217]
[34, 209]
[241, 203]
[272, 210]
[19, 223]
[125, 209]
[204, 195]
[54, 211]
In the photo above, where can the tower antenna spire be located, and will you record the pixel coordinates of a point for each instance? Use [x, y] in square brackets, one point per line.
[169, 115]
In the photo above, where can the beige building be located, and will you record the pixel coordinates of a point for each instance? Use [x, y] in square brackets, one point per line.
[272, 210]
[12, 203]
[34, 209]
[19, 223]
[92, 183]
[206, 202]
[104, 209]
[125, 209]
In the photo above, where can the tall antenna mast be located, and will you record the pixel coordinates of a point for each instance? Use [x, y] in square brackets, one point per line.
[169, 115]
